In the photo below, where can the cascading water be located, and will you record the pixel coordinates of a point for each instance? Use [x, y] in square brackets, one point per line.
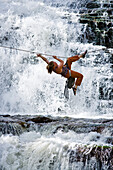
[27, 89]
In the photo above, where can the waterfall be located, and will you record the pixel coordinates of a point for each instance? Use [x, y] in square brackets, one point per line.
[24, 83]
[73, 133]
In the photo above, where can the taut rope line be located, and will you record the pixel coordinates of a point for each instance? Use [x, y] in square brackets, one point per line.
[28, 51]
[34, 52]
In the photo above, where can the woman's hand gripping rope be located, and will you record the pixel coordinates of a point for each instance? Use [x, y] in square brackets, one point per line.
[38, 55]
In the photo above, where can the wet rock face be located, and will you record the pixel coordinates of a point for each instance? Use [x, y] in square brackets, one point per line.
[96, 157]
[18, 124]
[99, 20]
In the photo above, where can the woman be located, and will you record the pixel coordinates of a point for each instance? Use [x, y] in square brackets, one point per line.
[65, 69]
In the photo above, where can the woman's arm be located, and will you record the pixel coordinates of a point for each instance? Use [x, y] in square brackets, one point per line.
[58, 59]
[43, 58]
[61, 63]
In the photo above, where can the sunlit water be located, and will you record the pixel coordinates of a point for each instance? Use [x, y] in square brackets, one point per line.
[27, 88]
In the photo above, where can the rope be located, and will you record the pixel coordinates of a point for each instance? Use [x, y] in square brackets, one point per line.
[96, 50]
[28, 51]
[105, 49]
[96, 20]
[34, 52]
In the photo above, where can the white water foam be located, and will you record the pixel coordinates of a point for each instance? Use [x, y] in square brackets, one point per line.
[28, 88]
[32, 150]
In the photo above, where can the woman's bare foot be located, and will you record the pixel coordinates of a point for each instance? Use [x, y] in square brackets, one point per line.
[74, 90]
[83, 55]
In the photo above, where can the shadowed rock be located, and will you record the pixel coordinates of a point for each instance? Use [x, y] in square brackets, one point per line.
[95, 157]
[99, 29]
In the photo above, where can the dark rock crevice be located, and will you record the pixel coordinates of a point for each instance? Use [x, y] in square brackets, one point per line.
[99, 20]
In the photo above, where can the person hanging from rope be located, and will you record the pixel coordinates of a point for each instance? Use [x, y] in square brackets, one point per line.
[65, 69]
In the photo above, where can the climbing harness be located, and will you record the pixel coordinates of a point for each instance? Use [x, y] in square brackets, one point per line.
[70, 72]
[69, 84]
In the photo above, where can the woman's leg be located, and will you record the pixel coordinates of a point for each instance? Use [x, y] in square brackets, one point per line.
[77, 75]
[72, 59]
[74, 74]
[78, 81]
